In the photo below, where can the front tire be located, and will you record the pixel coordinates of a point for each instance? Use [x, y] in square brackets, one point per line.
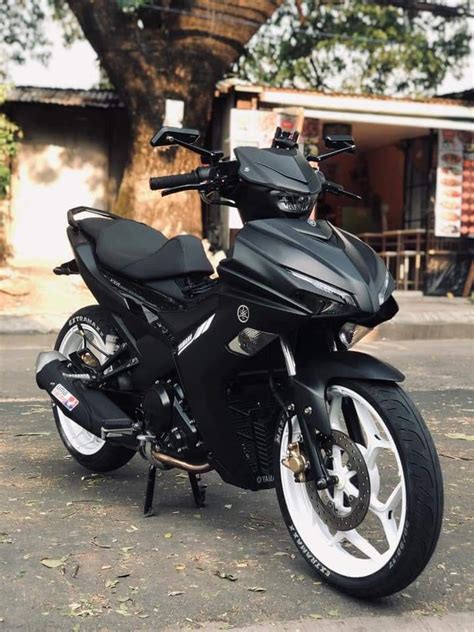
[396, 538]
[87, 449]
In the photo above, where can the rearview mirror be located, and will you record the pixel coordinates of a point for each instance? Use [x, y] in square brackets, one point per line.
[338, 141]
[169, 135]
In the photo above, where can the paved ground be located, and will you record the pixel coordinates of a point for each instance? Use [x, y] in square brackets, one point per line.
[115, 570]
[35, 300]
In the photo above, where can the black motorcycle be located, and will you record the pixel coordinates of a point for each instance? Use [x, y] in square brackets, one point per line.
[250, 373]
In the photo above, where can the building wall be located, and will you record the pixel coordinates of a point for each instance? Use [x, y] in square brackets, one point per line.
[378, 176]
[386, 178]
[69, 156]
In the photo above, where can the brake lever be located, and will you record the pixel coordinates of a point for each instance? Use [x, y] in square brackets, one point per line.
[338, 189]
[352, 196]
[183, 187]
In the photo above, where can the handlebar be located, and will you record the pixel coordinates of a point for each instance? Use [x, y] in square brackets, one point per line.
[193, 177]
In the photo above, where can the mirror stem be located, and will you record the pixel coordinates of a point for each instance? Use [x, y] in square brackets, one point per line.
[212, 156]
[330, 154]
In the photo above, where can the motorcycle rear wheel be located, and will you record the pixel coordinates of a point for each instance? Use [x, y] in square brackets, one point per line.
[398, 533]
[90, 451]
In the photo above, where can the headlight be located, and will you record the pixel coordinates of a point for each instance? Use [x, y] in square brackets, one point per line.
[293, 203]
[383, 290]
[351, 333]
[334, 293]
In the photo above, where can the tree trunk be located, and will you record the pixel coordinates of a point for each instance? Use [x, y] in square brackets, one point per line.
[178, 213]
[175, 49]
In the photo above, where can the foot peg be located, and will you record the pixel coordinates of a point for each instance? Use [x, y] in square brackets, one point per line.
[199, 490]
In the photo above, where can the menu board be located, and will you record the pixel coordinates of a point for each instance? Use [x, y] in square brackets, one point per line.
[454, 207]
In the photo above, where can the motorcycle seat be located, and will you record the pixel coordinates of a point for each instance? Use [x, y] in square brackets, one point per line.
[143, 253]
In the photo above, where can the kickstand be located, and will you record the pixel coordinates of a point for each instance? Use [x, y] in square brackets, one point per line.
[199, 491]
[150, 491]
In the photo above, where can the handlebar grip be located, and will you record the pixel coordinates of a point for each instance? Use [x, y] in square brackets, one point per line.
[168, 182]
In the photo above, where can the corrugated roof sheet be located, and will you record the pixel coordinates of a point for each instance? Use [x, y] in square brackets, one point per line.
[65, 96]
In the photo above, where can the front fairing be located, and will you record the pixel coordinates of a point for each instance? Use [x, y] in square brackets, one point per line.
[266, 251]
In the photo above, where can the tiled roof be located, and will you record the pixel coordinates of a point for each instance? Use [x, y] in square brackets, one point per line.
[65, 96]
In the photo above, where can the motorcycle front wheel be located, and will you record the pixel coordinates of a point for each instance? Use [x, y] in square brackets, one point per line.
[374, 532]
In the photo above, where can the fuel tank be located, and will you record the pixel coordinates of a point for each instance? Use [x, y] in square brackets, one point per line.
[266, 252]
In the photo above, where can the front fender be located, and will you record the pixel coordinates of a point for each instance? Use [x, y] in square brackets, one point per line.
[314, 375]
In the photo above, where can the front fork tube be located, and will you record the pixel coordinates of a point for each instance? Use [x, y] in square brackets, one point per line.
[311, 440]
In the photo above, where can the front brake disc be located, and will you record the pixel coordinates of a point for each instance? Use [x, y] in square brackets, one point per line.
[353, 510]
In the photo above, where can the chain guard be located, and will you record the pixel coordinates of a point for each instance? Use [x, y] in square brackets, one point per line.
[323, 501]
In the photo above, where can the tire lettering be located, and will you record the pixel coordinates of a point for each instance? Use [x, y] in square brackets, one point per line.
[84, 320]
[304, 551]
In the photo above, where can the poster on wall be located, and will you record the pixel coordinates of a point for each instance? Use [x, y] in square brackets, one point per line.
[252, 128]
[454, 206]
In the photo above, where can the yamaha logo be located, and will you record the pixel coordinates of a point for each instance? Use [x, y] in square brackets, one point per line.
[243, 313]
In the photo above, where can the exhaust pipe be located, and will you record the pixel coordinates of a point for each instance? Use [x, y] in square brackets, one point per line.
[90, 408]
[172, 461]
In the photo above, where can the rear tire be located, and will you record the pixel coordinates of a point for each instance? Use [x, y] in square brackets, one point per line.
[90, 451]
[410, 515]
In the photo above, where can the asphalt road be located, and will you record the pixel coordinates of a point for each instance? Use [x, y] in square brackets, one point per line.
[116, 570]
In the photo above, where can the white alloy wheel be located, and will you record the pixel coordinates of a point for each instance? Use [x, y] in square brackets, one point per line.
[80, 439]
[364, 550]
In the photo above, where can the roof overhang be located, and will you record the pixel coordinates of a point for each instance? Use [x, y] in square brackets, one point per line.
[431, 113]
[68, 97]
[425, 114]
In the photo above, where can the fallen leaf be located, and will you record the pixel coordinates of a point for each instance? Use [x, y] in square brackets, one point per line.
[99, 544]
[257, 589]
[111, 583]
[51, 563]
[229, 576]
[459, 435]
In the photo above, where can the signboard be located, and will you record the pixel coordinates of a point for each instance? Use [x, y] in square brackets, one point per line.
[454, 206]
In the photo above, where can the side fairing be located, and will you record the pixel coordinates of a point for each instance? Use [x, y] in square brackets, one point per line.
[265, 250]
